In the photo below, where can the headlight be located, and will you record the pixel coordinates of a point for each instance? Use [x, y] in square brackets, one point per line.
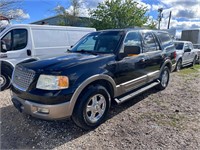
[48, 82]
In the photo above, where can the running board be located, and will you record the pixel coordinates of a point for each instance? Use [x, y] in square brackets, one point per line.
[135, 93]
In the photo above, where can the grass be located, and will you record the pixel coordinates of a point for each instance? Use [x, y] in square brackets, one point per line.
[190, 70]
[173, 120]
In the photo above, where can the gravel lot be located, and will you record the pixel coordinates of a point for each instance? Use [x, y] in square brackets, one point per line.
[169, 119]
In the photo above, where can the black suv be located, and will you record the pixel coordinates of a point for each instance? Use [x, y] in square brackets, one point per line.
[104, 66]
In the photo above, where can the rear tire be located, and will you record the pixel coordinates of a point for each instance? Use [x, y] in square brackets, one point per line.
[92, 107]
[164, 79]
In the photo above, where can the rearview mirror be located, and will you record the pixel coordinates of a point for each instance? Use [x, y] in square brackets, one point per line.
[131, 50]
[3, 47]
[187, 50]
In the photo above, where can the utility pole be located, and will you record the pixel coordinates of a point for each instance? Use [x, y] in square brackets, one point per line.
[160, 15]
[170, 15]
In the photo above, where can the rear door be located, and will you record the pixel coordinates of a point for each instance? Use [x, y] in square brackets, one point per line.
[152, 50]
[16, 43]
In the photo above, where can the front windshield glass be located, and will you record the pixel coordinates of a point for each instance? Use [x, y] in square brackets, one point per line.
[1, 29]
[179, 46]
[99, 42]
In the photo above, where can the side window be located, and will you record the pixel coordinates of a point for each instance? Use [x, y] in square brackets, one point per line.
[19, 39]
[150, 44]
[7, 40]
[132, 39]
[190, 45]
[15, 39]
[186, 46]
[166, 41]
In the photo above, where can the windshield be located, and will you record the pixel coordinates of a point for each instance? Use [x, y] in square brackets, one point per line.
[99, 42]
[1, 29]
[179, 46]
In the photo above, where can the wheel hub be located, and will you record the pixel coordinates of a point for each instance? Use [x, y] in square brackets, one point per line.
[96, 107]
[164, 78]
[2, 81]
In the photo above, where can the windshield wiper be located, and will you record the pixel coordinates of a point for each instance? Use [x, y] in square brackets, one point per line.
[89, 52]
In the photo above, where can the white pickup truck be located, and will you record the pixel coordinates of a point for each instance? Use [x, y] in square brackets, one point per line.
[186, 54]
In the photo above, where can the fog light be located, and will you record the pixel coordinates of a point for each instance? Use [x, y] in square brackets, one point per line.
[43, 110]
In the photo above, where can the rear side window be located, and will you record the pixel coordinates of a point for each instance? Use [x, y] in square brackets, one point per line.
[165, 40]
[150, 43]
[16, 39]
[179, 46]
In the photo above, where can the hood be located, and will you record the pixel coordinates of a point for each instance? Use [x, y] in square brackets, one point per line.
[65, 62]
[179, 51]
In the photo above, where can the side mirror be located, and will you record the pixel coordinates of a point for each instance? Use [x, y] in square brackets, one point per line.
[131, 50]
[187, 50]
[3, 47]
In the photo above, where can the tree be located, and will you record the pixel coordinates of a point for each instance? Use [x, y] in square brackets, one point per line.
[69, 17]
[11, 10]
[118, 14]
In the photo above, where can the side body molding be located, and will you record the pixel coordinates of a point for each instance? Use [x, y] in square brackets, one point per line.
[86, 83]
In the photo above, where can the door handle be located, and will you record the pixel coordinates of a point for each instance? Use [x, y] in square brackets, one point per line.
[28, 52]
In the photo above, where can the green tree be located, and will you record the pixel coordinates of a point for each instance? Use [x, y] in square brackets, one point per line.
[12, 10]
[118, 14]
[69, 17]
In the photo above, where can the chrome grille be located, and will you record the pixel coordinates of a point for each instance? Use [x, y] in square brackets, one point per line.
[22, 77]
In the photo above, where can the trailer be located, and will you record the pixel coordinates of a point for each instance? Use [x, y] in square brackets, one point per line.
[192, 35]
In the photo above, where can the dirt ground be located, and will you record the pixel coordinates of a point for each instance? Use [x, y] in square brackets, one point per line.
[168, 119]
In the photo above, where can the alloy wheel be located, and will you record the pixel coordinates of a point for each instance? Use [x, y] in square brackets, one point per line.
[95, 108]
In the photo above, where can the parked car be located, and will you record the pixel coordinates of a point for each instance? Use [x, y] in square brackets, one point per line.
[186, 54]
[104, 66]
[22, 42]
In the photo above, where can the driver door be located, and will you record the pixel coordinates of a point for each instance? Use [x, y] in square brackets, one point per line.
[186, 55]
[14, 44]
[130, 69]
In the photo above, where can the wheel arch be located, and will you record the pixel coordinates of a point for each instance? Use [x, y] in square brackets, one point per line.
[8, 67]
[103, 80]
[167, 63]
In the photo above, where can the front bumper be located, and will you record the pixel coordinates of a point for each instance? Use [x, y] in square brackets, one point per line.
[43, 111]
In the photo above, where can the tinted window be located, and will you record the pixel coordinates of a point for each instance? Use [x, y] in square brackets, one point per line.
[150, 44]
[7, 40]
[178, 46]
[165, 40]
[1, 29]
[19, 39]
[132, 39]
[102, 42]
[15, 39]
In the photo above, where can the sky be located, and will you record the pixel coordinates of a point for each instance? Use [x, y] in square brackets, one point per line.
[185, 13]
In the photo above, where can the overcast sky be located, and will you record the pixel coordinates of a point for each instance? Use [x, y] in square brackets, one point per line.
[185, 13]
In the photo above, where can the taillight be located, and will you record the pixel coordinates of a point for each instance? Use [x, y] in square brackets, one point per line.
[175, 54]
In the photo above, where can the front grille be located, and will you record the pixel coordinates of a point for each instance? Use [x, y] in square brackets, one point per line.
[22, 77]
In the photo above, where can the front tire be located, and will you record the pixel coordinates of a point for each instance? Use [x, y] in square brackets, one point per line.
[194, 61]
[164, 79]
[4, 81]
[92, 107]
[178, 65]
